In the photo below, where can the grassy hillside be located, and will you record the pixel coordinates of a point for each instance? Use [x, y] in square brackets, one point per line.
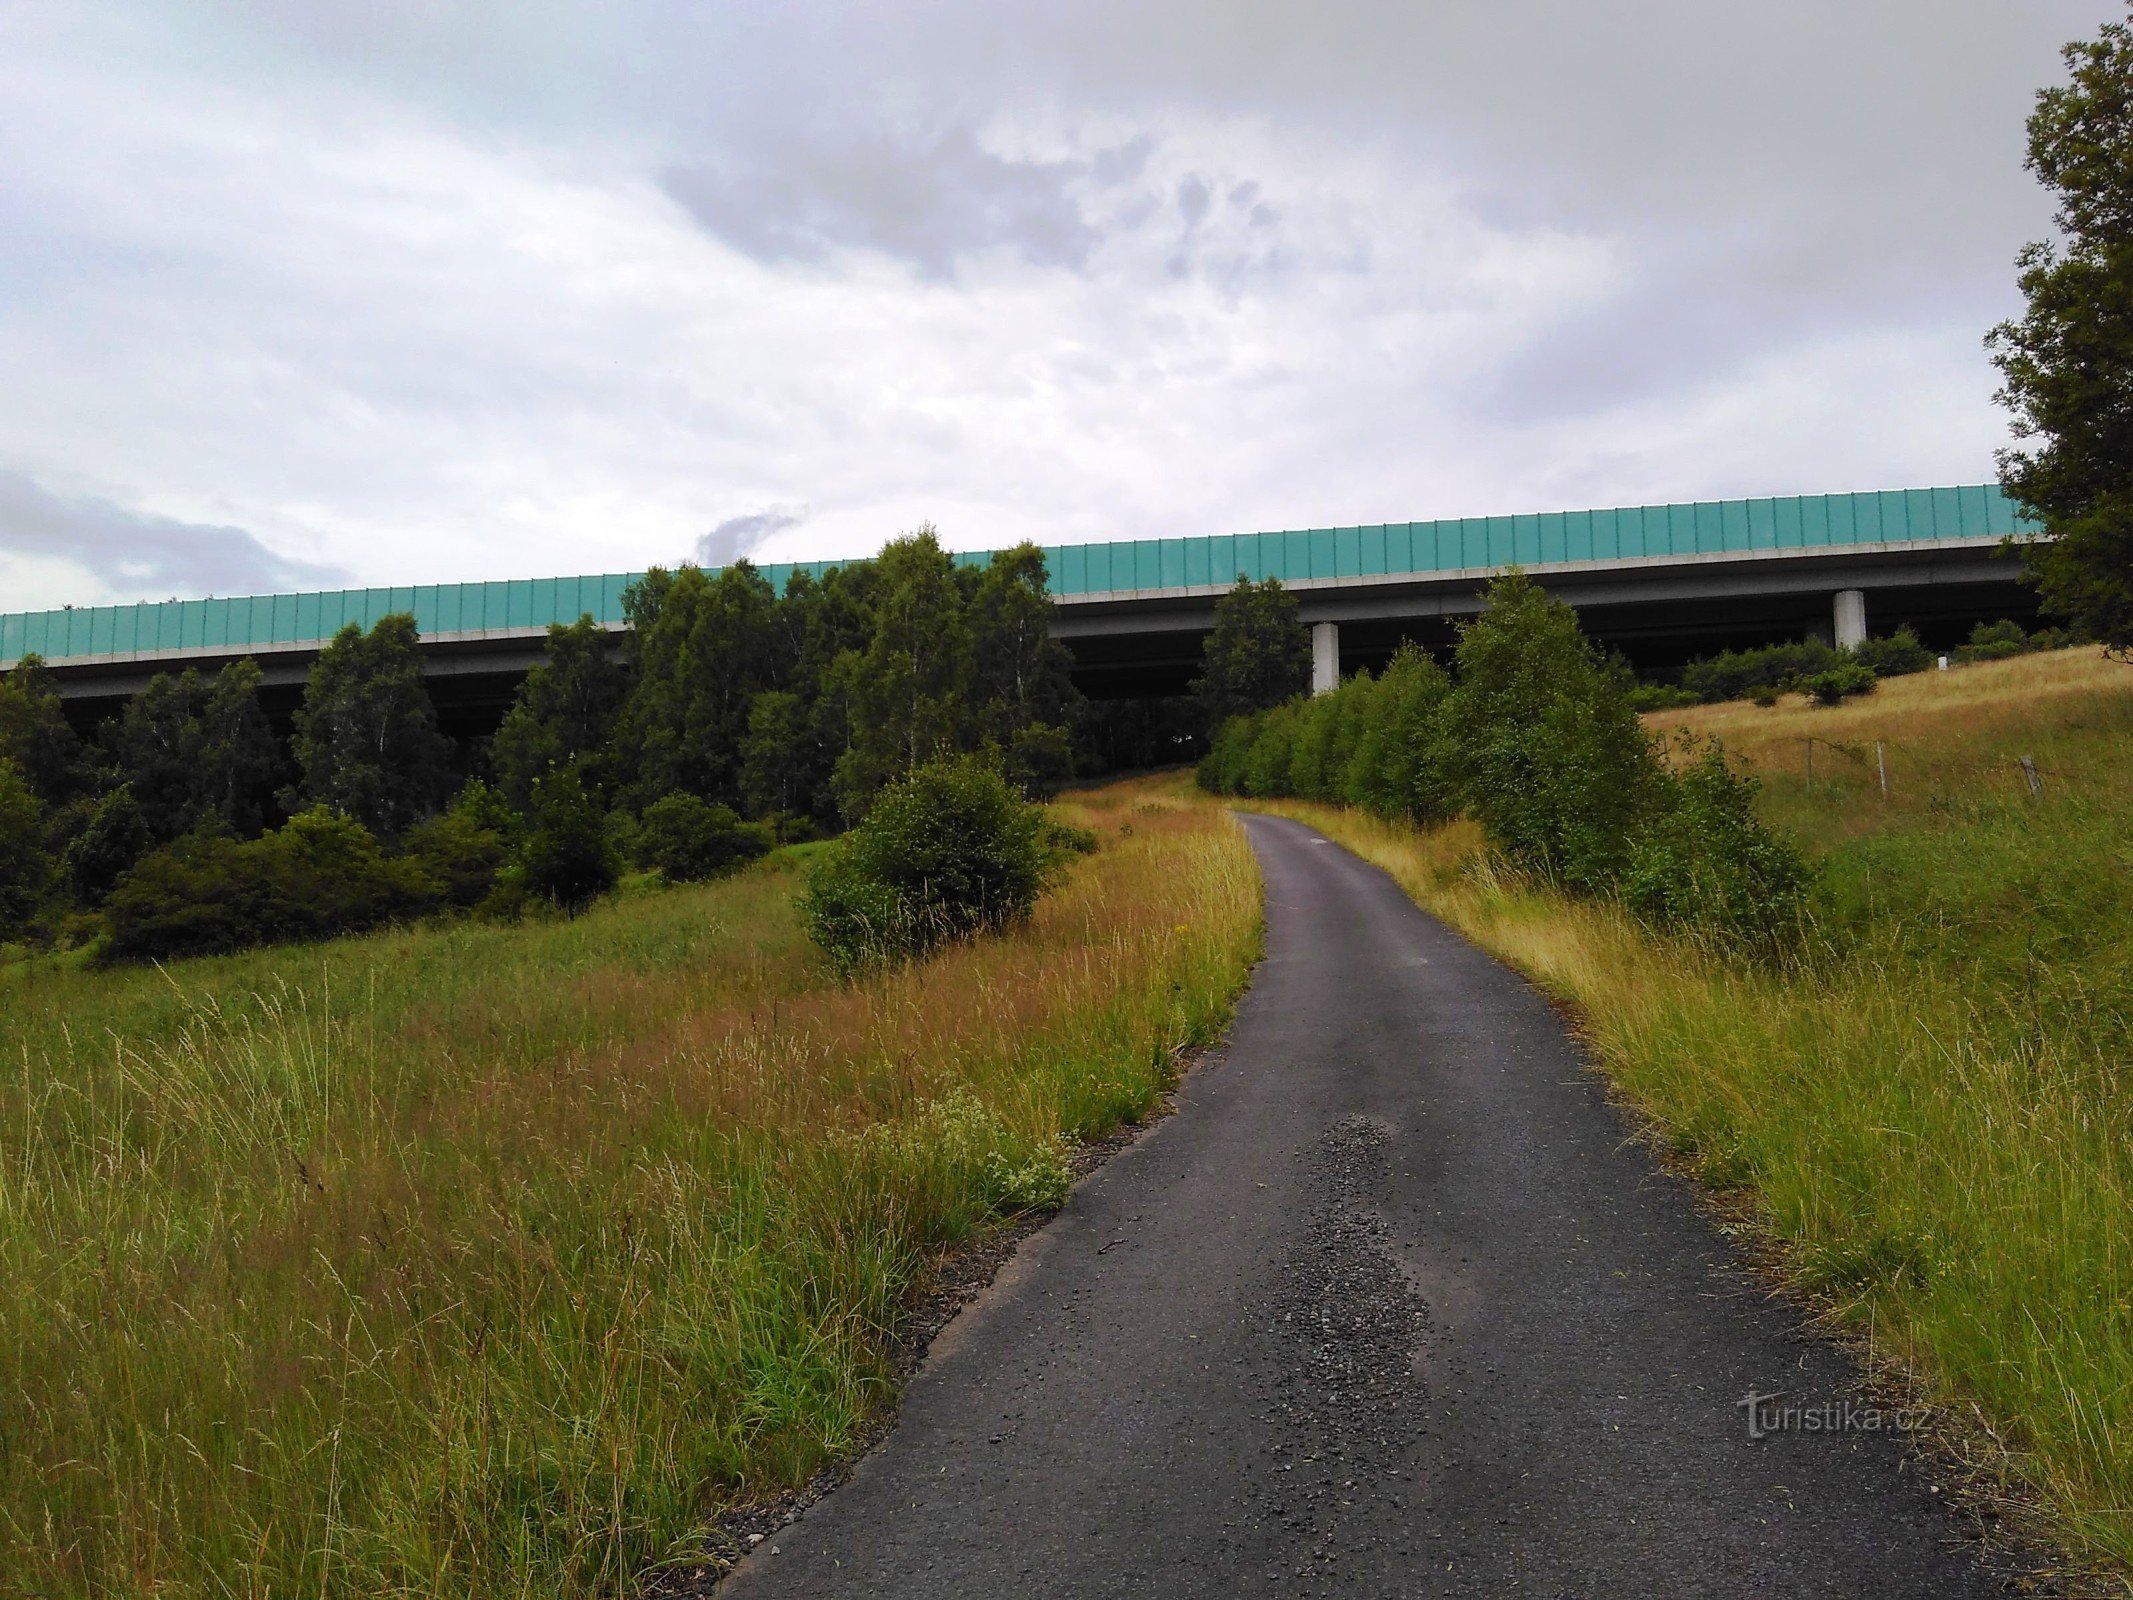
[1927, 1110]
[488, 1260]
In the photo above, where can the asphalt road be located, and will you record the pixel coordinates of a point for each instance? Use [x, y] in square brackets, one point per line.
[1388, 1307]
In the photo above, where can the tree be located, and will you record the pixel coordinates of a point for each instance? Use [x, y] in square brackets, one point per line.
[1027, 702]
[2068, 361]
[1542, 742]
[911, 689]
[688, 839]
[111, 838]
[366, 735]
[1397, 766]
[781, 758]
[567, 856]
[35, 735]
[566, 711]
[195, 748]
[1258, 655]
[25, 864]
[704, 650]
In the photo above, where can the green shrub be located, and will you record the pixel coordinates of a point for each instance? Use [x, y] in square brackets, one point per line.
[1327, 728]
[1839, 682]
[1895, 655]
[1996, 641]
[465, 849]
[1747, 674]
[1547, 754]
[1707, 863]
[319, 875]
[1040, 759]
[112, 836]
[950, 851]
[25, 865]
[1221, 770]
[567, 858]
[1272, 757]
[689, 839]
[1397, 767]
[1062, 840]
[1662, 697]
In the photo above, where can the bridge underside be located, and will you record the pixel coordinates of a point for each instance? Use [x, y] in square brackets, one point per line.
[1657, 618]
[1147, 645]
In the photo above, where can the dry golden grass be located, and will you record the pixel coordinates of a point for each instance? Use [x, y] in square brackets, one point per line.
[490, 1260]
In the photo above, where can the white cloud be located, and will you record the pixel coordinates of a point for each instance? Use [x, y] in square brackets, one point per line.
[448, 292]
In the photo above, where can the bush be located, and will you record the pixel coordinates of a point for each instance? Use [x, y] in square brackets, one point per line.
[1838, 682]
[1662, 697]
[950, 851]
[1894, 656]
[1707, 863]
[1040, 759]
[1547, 753]
[113, 836]
[1749, 674]
[319, 875]
[1397, 767]
[25, 865]
[1996, 641]
[467, 848]
[688, 839]
[1272, 757]
[567, 858]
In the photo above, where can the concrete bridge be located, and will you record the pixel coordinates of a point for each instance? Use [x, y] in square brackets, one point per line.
[1661, 583]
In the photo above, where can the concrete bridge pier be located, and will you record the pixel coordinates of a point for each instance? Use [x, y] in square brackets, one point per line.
[1851, 618]
[1325, 657]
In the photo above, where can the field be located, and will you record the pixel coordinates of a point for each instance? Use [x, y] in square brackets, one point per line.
[481, 1260]
[1925, 1114]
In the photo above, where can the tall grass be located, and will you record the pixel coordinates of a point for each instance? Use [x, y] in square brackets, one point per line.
[1927, 1109]
[489, 1261]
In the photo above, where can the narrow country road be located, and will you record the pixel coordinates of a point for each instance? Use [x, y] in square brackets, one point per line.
[1388, 1307]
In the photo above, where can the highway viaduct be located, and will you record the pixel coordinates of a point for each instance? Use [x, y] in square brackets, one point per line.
[1660, 583]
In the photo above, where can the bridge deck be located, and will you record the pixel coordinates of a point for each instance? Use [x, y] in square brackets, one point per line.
[1101, 576]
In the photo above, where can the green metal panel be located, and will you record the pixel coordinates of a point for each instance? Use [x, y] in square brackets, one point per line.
[1147, 564]
[1170, 567]
[1296, 556]
[1843, 520]
[1525, 540]
[1199, 562]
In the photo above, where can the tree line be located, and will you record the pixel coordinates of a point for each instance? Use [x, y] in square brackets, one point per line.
[736, 717]
[1534, 734]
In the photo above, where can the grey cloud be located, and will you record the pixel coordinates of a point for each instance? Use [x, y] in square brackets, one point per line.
[1194, 199]
[1123, 163]
[929, 204]
[140, 553]
[744, 535]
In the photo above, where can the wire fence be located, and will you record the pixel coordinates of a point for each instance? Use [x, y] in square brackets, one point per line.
[1873, 757]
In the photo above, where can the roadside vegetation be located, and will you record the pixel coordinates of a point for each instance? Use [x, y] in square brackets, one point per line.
[1918, 1102]
[739, 718]
[1535, 737]
[491, 1259]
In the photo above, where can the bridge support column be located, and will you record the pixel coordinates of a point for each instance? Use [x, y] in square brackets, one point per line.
[1851, 618]
[1325, 657]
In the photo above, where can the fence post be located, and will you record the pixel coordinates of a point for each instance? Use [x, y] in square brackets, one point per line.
[1881, 764]
[1810, 764]
[2029, 771]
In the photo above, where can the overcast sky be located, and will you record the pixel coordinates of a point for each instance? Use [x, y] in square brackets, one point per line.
[390, 291]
